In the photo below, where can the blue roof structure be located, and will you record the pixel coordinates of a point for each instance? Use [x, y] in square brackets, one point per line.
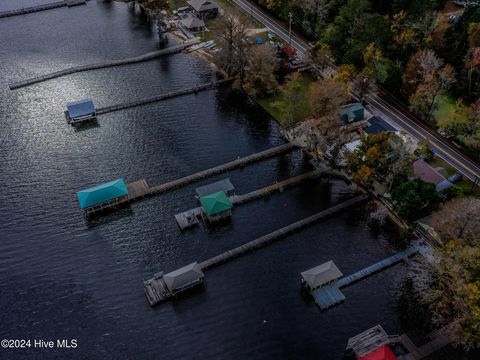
[81, 108]
[378, 125]
[102, 193]
[259, 40]
[442, 186]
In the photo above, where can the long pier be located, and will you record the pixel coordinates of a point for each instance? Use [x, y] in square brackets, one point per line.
[191, 90]
[141, 189]
[145, 57]
[190, 217]
[50, 6]
[331, 295]
[154, 287]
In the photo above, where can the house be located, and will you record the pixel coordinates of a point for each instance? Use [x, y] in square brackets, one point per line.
[352, 113]
[203, 9]
[377, 125]
[320, 275]
[216, 206]
[223, 185]
[193, 24]
[184, 278]
[79, 111]
[428, 174]
[101, 194]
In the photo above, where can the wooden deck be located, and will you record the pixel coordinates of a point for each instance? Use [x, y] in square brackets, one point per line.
[330, 295]
[189, 218]
[175, 184]
[368, 340]
[145, 57]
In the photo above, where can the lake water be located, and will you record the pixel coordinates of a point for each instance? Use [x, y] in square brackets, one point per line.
[63, 278]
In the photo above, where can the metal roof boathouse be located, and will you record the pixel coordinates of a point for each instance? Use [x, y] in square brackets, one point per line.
[321, 275]
[80, 111]
[216, 206]
[224, 185]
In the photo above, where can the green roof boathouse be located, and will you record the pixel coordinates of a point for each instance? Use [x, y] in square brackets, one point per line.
[216, 206]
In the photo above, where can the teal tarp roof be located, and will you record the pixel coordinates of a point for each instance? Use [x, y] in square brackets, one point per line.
[350, 108]
[215, 203]
[102, 193]
[80, 108]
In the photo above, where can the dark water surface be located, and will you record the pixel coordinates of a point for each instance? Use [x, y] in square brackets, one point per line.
[61, 278]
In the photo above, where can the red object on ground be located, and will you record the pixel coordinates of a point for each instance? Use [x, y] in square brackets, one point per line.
[382, 353]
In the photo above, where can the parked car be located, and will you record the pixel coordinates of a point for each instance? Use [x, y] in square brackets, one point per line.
[445, 133]
[453, 19]
[455, 178]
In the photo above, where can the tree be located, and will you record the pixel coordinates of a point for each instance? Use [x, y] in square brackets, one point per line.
[232, 38]
[413, 196]
[260, 77]
[294, 100]
[458, 219]
[326, 96]
[376, 65]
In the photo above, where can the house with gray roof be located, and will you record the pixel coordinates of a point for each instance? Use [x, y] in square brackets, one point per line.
[321, 275]
[204, 8]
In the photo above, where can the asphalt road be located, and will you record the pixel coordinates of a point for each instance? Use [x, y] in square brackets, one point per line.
[443, 149]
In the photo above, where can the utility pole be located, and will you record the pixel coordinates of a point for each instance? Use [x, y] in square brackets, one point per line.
[290, 16]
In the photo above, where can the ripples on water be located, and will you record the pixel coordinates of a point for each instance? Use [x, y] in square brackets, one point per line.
[63, 278]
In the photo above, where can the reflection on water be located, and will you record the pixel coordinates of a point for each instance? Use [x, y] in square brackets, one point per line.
[63, 278]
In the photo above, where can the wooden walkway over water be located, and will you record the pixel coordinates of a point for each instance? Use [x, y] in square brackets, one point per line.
[49, 6]
[191, 90]
[133, 60]
[190, 218]
[153, 287]
[141, 189]
[331, 295]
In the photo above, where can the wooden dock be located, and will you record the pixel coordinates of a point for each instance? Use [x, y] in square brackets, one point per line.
[141, 189]
[133, 60]
[330, 295]
[44, 7]
[189, 218]
[280, 233]
[155, 290]
[191, 90]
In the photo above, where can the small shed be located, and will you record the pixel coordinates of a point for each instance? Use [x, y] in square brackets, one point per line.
[224, 185]
[204, 8]
[216, 206]
[321, 275]
[184, 278]
[102, 193]
[81, 110]
[193, 23]
[352, 113]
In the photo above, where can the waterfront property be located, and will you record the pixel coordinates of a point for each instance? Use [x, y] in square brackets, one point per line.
[320, 275]
[224, 185]
[329, 295]
[102, 194]
[140, 189]
[193, 23]
[156, 289]
[80, 111]
[163, 286]
[427, 173]
[216, 206]
[203, 8]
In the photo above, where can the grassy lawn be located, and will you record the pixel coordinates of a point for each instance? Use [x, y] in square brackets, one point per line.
[269, 102]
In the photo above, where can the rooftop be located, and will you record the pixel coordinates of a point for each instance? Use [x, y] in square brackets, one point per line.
[81, 108]
[378, 125]
[203, 5]
[192, 22]
[102, 193]
[321, 274]
[223, 185]
[427, 173]
[215, 203]
[381, 353]
[183, 277]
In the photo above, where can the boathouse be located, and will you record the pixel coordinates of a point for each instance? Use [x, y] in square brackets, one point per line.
[216, 206]
[320, 275]
[102, 194]
[224, 185]
[80, 111]
[204, 8]
[184, 278]
[352, 113]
